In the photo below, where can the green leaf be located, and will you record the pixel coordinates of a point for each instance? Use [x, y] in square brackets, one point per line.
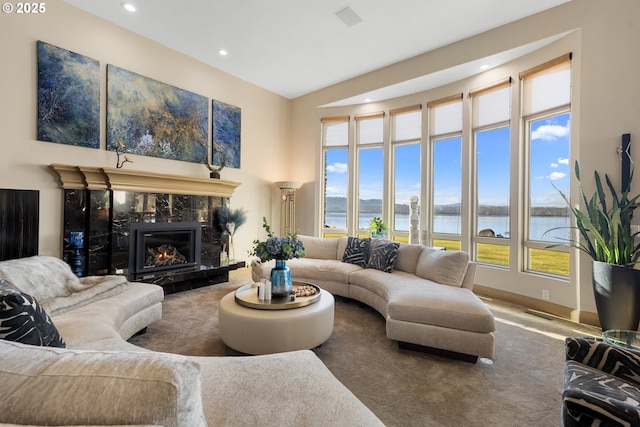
[604, 232]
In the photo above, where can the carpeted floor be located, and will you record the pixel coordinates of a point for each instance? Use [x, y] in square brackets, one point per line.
[405, 388]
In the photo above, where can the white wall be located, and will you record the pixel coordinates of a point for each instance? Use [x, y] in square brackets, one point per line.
[24, 160]
[604, 105]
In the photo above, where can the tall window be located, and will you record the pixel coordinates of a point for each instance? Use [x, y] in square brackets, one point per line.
[491, 107]
[370, 161]
[445, 136]
[546, 114]
[335, 149]
[406, 134]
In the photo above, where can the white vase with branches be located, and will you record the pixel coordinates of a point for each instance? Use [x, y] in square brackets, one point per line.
[229, 221]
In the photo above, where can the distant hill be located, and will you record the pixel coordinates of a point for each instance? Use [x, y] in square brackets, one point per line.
[339, 205]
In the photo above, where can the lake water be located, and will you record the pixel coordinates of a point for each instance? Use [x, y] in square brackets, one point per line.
[451, 224]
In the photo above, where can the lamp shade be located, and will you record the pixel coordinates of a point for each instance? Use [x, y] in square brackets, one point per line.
[288, 185]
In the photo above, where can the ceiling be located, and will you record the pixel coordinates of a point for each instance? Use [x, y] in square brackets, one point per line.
[294, 47]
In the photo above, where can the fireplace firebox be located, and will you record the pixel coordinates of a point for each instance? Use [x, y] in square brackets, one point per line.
[164, 246]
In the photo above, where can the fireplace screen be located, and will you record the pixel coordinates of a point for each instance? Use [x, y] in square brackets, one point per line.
[162, 246]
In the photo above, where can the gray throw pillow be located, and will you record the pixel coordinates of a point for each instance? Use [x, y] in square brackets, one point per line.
[23, 320]
[383, 255]
[357, 251]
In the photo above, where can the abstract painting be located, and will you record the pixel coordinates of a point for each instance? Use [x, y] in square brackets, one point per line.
[226, 135]
[68, 97]
[152, 118]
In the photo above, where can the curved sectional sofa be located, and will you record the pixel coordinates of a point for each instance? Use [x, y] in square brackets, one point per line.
[425, 294]
[101, 379]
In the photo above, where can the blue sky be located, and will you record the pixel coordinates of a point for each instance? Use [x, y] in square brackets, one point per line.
[549, 163]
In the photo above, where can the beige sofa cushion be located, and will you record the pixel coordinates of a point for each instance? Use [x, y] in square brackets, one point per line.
[444, 267]
[321, 269]
[47, 386]
[319, 248]
[342, 245]
[381, 283]
[284, 389]
[429, 303]
[408, 256]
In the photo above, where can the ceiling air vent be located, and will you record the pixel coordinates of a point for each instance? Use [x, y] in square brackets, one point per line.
[348, 16]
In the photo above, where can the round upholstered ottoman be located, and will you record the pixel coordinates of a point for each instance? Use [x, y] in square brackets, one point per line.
[254, 331]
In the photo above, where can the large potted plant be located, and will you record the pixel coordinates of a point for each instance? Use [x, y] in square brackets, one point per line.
[607, 237]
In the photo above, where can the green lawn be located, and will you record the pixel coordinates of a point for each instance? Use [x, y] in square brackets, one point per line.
[551, 262]
[545, 261]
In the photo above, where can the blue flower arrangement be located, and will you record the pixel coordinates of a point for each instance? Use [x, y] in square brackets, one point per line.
[278, 248]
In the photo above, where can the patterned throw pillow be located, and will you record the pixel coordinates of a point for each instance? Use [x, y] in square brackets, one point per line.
[383, 255]
[23, 320]
[357, 251]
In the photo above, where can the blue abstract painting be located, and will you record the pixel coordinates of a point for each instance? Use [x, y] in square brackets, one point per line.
[226, 135]
[151, 118]
[68, 97]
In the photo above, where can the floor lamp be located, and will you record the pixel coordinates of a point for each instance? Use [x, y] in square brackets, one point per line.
[288, 203]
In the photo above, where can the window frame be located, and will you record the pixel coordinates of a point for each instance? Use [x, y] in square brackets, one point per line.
[395, 234]
[324, 149]
[432, 140]
[527, 243]
[474, 237]
[358, 147]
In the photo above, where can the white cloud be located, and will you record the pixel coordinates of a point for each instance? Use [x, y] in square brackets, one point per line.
[563, 161]
[554, 165]
[336, 191]
[550, 132]
[554, 176]
[337, 168]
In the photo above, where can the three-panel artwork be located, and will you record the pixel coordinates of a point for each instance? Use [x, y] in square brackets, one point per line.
[144, 116]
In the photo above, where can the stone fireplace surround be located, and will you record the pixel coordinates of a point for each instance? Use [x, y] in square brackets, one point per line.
[105, 202]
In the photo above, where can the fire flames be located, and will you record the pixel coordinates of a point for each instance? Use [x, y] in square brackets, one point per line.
[164, 255]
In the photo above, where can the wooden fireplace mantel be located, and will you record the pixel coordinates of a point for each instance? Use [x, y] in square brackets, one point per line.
[97, 178]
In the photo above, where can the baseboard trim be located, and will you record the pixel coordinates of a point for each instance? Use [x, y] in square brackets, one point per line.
[557, 310]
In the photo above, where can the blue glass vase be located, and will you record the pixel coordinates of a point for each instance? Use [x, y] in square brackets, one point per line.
[281, 284]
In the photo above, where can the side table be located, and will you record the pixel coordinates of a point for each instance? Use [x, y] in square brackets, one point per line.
[622, 338]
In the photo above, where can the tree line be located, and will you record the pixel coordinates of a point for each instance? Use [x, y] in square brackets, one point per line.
[339, 205]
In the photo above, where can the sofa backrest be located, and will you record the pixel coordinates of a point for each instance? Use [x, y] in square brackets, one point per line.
[42, 277]
[452, 268]
[342, 245]
[319, 248]
[469, 276]
[47, 386]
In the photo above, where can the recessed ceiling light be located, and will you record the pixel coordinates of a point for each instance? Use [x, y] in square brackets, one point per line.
[223, 52]
[128, 6]
[485, 67]
[368, 100]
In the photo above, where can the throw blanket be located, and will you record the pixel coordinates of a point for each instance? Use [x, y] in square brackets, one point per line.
[51, 281]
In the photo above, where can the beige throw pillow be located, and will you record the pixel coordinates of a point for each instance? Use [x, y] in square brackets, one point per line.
[444, 267]
[408, 256]
[319, 248]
